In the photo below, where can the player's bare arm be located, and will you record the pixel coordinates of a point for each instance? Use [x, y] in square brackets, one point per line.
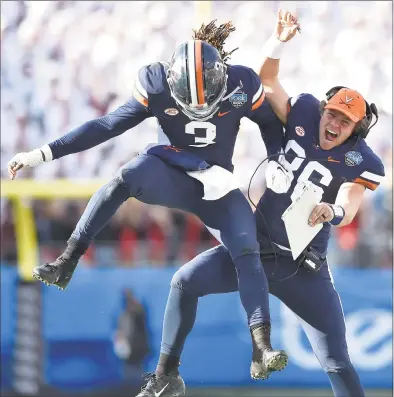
[286, 27]
[347, 204]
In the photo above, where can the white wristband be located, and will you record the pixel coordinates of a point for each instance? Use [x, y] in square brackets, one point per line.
[273, 48]
[47, 153]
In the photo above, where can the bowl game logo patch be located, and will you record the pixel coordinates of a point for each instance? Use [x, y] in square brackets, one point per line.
[238, 99]
[353, 158]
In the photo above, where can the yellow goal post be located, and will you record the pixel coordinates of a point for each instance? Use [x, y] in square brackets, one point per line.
[203, 10]
[20, 193]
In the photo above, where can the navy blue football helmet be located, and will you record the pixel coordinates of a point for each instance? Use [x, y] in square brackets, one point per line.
[197, 77]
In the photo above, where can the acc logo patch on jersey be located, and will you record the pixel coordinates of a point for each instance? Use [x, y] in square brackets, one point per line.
[353, 158]
[300, 131]
[171, 111]
[238, 99]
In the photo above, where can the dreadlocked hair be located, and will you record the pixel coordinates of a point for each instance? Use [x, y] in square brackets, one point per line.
[216, 36]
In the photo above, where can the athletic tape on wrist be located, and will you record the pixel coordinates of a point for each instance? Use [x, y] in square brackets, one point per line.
[273, 48]
[339, 214]
[47, 153]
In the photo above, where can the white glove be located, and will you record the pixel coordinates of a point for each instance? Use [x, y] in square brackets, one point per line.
[29, 159]
[278, 178]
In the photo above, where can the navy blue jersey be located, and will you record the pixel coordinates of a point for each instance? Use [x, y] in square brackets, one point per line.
[353, 161]
[212, 140]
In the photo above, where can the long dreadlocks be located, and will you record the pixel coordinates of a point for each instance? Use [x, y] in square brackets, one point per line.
[216, 36]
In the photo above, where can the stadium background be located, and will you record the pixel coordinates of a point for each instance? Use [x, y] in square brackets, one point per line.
[64, 62]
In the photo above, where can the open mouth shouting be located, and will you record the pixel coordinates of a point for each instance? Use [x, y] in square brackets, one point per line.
[330, 135]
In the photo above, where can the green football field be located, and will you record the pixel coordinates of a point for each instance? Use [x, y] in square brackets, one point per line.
[260, 392]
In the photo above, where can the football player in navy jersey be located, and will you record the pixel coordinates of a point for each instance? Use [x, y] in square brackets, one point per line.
[328, 138]
[198, 101]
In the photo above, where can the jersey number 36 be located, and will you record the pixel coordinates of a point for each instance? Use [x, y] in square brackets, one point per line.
[312, 166]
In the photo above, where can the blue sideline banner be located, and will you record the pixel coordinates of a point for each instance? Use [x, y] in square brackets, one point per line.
[79, 326]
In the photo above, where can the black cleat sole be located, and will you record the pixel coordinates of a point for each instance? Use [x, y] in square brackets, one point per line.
[60, 286]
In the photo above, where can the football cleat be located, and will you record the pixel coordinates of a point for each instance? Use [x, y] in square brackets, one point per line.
[271, 361]
[58, 273]
[162, 386]
[265, 359]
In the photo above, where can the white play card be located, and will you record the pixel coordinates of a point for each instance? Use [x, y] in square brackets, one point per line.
[295, 218]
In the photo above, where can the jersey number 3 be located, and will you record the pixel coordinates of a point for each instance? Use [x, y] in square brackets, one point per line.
[312, 167]
[205, 130]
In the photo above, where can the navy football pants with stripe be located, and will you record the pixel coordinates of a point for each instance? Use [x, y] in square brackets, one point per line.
[312, 297]
[230, 219]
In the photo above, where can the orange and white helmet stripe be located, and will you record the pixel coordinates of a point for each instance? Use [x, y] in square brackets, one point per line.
[195, 72]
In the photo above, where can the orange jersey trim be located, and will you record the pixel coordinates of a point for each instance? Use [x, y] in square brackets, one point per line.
[139, 97]
[258, 103]
[368, 184]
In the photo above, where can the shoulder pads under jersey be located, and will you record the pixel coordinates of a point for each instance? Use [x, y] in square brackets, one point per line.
[371, 166]
[303, 100]
[251, 84]
[150, 80]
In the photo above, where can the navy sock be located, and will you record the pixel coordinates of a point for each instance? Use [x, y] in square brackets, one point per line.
[75, 248]
[168, 365]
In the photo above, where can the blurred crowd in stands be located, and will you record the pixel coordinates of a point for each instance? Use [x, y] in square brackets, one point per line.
[66, 62]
